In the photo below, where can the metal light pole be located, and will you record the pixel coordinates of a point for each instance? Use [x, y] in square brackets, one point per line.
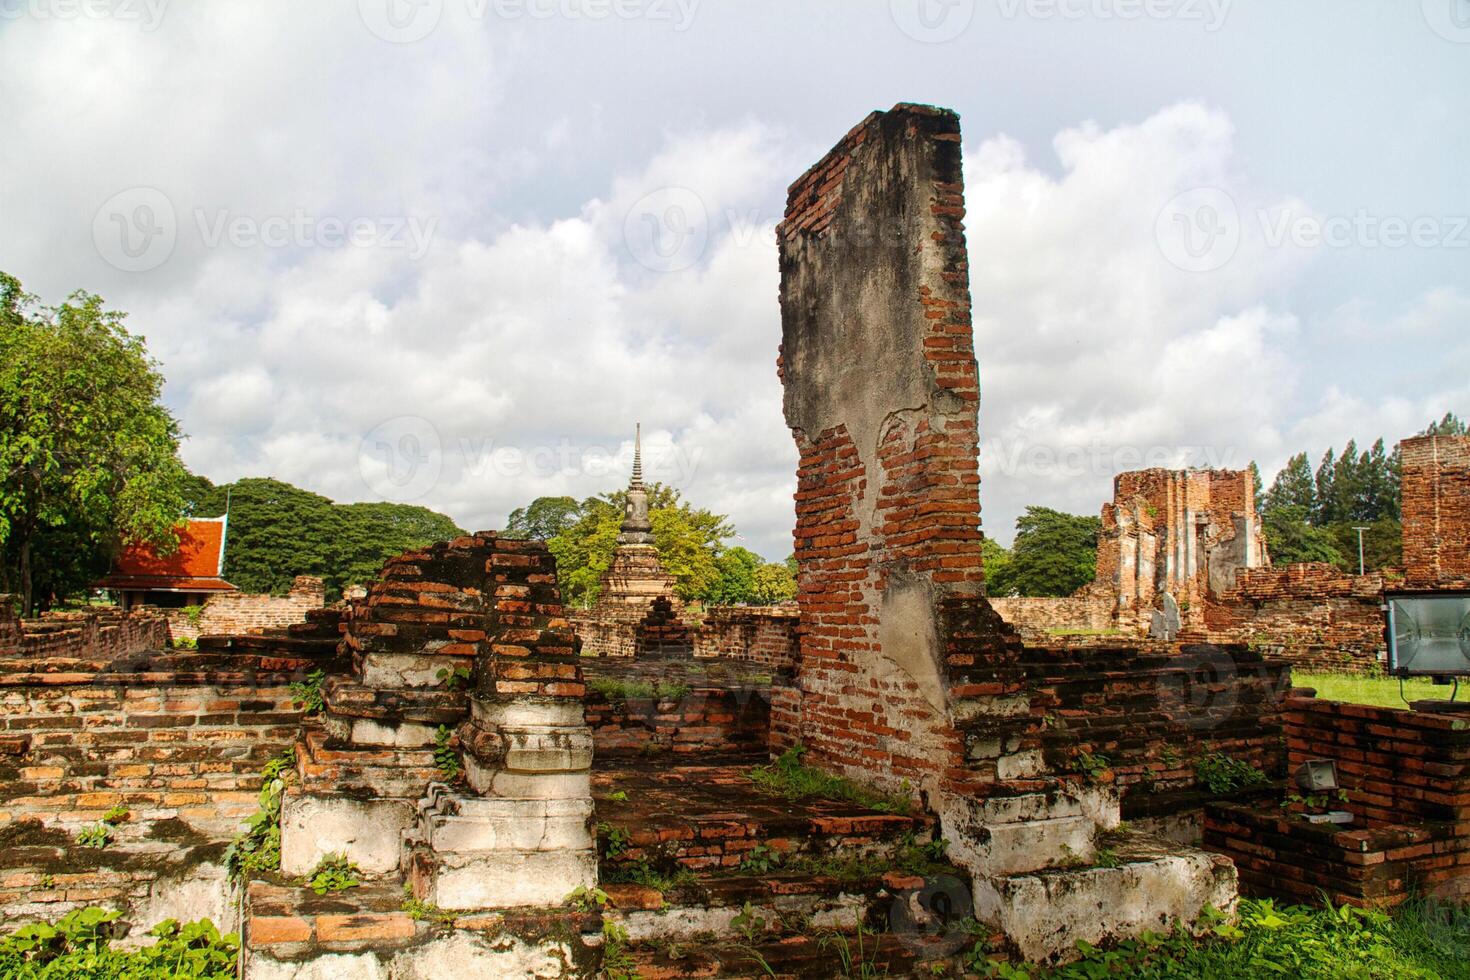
[1360, 530]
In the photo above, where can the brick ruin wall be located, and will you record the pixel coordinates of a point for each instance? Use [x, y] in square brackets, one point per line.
[94, 636]
[1407, 777]
[234, 613]
[1153, 710]
[764, 635]
[1436, 511]
[1044, 617]
[179, 740]
[1312, 615]
[881, 389]
[760, 634]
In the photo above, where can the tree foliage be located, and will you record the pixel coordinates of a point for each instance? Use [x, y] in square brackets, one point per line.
[1054, 554]
[88, 453]
[278, 531]
[691, 542]
[1312, 515]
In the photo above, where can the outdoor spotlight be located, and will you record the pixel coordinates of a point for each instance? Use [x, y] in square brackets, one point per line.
[1317, 776]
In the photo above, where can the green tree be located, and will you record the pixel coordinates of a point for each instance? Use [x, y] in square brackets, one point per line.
[1293, 486]
[543, 518]
[775, 582]
[1450, 425]
[1054, 554]
[997, 568]
[1291, 538]
[88, 454]
[278, 531]
[736, 583]
[689, 539]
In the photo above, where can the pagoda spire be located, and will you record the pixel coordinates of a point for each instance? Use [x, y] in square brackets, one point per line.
[636, 529]
[637, 457]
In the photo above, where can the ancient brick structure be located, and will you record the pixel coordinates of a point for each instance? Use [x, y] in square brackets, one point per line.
[1181, 532]
[234, 613]
[1407, 777]
[1436, 511]
[905, 676]
[760, 634]
[176, 739]
[1312, 615]
[635, 578]
[96, 636]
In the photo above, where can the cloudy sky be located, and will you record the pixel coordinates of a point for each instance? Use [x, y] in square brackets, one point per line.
[448, 251]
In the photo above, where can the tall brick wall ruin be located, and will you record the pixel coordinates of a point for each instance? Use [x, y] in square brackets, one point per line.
[881, 390]
[1436, 511]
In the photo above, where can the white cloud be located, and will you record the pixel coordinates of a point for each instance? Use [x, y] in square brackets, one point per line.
[537, 327]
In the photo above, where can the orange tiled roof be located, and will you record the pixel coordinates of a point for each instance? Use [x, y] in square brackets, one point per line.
[194, 566]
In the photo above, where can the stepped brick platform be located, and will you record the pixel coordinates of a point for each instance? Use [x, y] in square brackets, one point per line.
[711, 816]
[723, 708]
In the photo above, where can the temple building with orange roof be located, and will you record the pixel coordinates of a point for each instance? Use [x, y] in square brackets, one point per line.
[186, 577]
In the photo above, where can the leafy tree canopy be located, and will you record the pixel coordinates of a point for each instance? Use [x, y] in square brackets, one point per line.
[691, 543]
[88, 454]
[278, 531]
[1312, 515]
[1054, 554]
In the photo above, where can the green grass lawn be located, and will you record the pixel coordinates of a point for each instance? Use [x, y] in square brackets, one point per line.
[1382, 692]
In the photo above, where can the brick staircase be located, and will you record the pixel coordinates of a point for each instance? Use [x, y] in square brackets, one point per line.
[785, 883]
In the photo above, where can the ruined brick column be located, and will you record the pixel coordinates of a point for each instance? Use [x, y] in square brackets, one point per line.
[1436, 511]
[486, 609]
[905, 675]
[523, 836]
[881, 393]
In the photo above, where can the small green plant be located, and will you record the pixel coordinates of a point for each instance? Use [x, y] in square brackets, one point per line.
[1221, 773]
[645, 874]
[116, 815]
[421, 911]
[454, 678]
[446, 756]
[1107, 857]
[749, 923]
[856, 957]
[333, 873]
[184, 643]
[614, 840]
[762, 860]
[78, 946]
[586, 899]
[258, 847]
[617, 962]
[193, 614]
[1170, 757]
[789, 777]
[307, 694]
[619, 690]
[97, 835]
[618, 796]
[1092, 765]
